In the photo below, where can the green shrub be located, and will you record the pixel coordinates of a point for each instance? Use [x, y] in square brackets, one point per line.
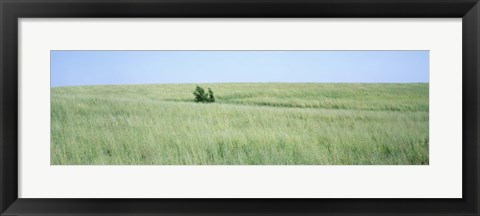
[202, 97]
[210, 98]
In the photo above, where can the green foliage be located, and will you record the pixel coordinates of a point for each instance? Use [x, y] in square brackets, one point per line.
[202, 97]
[211, 97]
[250, 123]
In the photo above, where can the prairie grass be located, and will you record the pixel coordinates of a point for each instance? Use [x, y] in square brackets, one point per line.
[250, 124]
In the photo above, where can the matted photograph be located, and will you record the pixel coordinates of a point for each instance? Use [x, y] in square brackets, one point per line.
[237, 107]
[319, 107]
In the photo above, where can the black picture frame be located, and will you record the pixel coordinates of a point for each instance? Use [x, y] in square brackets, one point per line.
[12, 10]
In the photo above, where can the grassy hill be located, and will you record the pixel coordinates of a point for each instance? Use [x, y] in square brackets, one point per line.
[251, 123]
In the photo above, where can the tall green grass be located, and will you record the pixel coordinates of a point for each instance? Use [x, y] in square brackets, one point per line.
[251, 123]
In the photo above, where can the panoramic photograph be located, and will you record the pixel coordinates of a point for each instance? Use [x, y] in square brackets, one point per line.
[239, 107]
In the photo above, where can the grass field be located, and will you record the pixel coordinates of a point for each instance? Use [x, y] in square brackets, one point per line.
[251, 123]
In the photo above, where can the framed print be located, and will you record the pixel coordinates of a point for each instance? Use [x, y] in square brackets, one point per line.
[248, 108]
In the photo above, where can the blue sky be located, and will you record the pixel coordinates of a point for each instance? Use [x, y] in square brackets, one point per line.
[69, 68]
